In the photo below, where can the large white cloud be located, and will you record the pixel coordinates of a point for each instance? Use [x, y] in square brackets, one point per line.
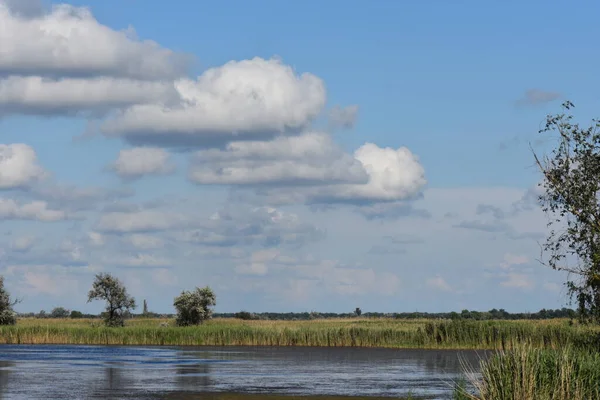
[38, 95]
[310, 158]
[18, 166]
[140, 161]
[35, 210]
[69, 41]
[241, 99]
[321, 171]
[394, 174]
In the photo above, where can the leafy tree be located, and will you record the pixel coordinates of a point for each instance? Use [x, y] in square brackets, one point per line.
[571, 185]
[42, 314]
[145, 311]
[76, 314]
[59, 312]
[245, 315]
[194, 307]
[358, 311]
[7, 313]
[118, 302]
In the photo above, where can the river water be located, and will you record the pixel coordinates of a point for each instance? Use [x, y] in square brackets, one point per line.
[120, 372]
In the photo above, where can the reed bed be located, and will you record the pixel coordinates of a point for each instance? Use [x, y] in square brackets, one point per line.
[529, 373]
[389, 333]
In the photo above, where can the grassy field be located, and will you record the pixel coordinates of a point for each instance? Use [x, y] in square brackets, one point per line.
[357, 332]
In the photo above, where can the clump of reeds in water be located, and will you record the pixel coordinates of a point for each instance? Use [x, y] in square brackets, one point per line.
[528, 373]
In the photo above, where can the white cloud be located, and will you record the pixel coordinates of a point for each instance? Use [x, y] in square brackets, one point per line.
[314, 168]
[258, 264]
[22, 243]
[140, 161]
[241, 99]
[310, 158]
[39, 95]
[35, 210]
[141, 241]
[141, 221]
[394, 174]
[18, 166]
[517, 280]
[69, 41]
[438, 283]
[96, 239]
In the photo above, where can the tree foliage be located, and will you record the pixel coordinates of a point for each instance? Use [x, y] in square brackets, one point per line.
[59, 312]
[194, 307]
[118, 302]
[570, 186]
[7, 313]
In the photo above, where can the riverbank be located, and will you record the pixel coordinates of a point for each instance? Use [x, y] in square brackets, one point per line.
[357, 332]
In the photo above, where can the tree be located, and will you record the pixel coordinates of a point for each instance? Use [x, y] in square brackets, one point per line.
[59, 312]
[194, 307]
[118, 302]
[7, 313]
[145, 312]
[358, 311]
[571, 182]
[76, 314]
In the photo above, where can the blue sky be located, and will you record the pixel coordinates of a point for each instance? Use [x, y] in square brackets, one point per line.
[320, 156]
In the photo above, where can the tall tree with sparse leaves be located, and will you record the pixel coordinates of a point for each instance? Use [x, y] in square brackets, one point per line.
[7, 314]
[108, 288]
[570, 197]
[194, 307]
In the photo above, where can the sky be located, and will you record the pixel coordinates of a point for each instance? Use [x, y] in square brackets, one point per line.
[313, 157]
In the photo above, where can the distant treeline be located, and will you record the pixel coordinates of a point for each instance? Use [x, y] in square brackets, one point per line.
[60, 312]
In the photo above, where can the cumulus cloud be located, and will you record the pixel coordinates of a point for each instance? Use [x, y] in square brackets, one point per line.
[70, 96]
[244, 99]
[438, 283]
[321, 172]
[344, 117]
[311, 158]
[137, 162]
[18, 166]
[35, 210]
[69, 41]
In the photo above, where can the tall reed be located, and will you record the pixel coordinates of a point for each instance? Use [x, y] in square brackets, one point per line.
[326, 333]
[528, 373]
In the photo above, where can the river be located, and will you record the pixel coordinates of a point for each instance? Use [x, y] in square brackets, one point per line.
[128, 372]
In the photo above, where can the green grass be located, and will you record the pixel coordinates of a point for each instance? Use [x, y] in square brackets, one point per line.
[356, 332]
[528, 373]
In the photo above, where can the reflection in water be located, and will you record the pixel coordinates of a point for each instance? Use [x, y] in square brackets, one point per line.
[5, 367]
[224, 373]
[193, 378]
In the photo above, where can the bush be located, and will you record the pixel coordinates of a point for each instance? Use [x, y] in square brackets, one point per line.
[194, 307]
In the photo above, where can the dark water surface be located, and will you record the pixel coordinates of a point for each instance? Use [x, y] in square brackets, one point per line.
[225, 373]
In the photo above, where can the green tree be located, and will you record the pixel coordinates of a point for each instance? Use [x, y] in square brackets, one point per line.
[76, 314]
[7, 313]
[118, 302]
[358, 311]
[571, 182]
[59, 312]
[194, 307]
[145, 310]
